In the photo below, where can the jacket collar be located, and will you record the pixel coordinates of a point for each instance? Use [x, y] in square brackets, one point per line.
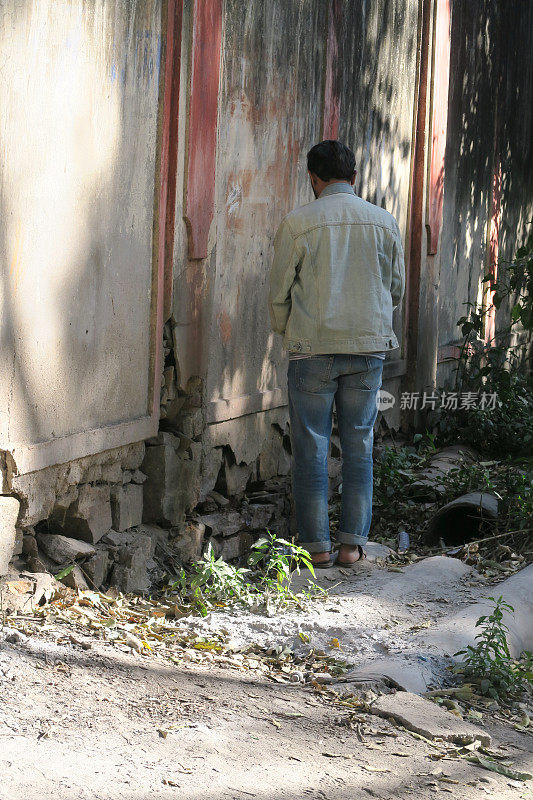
[335, 188]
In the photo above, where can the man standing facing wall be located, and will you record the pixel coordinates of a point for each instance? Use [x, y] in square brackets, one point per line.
[337, 274]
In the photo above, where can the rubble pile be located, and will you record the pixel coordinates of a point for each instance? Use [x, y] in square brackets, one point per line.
[99, 541]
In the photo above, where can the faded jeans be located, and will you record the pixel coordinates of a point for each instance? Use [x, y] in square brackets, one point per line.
[314, 384]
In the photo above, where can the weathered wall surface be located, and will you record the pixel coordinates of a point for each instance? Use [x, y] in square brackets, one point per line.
[490, 123]
[79, 92]
[273, 62]
[254, 85]
[272, 109]
[468, 175]
[78, 133]
[376, 79]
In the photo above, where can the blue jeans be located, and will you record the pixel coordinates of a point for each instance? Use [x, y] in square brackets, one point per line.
[314, 384]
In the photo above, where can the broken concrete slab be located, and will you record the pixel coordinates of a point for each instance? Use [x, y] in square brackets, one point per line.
[268, 461]
[9, 512]
[63, 549]
[410, 674]
[97, 567]
[236, 476]
[131, 456]
[29, 543]
[172, 486]
[219, 499]
[75, 579]
[284, 463]
[428, 719]
[258, 516]
[111, 473]
[192, 422]
[432, 575]
[62, 506]
[113, 538]
[416, 672]
[158, 536]
[17, 546]
[187, 541]
[145, 536]
[40, 563]
[245, 435]
[38, 493]
[223, 523]
[210, 468]
[231, 547]
[130, 573]
[375, 550]
[126, 506]
[89, 517]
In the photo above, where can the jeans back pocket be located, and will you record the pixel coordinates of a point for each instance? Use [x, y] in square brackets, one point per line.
[313, 373]
[372, 378]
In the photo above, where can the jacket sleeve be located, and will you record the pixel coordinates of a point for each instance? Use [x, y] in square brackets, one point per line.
[398, 270]
[282, 276]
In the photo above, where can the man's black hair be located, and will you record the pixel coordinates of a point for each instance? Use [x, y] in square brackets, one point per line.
[331, 160]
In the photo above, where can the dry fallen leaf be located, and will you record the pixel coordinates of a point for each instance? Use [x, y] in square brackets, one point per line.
[501, 768]
[20, 587]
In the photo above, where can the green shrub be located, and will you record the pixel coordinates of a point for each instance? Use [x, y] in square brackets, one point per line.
[489, 664]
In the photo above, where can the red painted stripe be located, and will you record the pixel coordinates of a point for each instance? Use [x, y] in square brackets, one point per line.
[332, 102]
[203, 108]
[416, 221]
[439, 120]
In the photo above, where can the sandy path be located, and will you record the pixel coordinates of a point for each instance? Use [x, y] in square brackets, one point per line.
[105, 723]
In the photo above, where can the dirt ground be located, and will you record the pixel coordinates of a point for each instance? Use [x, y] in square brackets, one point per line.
[82, 717]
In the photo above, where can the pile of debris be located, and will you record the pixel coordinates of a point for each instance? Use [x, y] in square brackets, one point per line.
[232, 526]
[86, 553]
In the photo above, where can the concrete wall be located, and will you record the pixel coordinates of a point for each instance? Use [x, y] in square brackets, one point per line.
[490, 122]
[271, 110]
[78, 134]
[85, 253]
[79, 93]
[268, 116]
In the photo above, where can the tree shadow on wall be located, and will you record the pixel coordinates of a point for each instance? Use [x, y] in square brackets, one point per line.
[490, 114]
[74, 272]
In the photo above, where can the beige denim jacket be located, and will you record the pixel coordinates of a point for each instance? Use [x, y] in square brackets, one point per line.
[337, 274]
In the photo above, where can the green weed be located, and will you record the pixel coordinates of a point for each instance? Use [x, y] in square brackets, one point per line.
[279, 560]
[267, 579]
[489, 665]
